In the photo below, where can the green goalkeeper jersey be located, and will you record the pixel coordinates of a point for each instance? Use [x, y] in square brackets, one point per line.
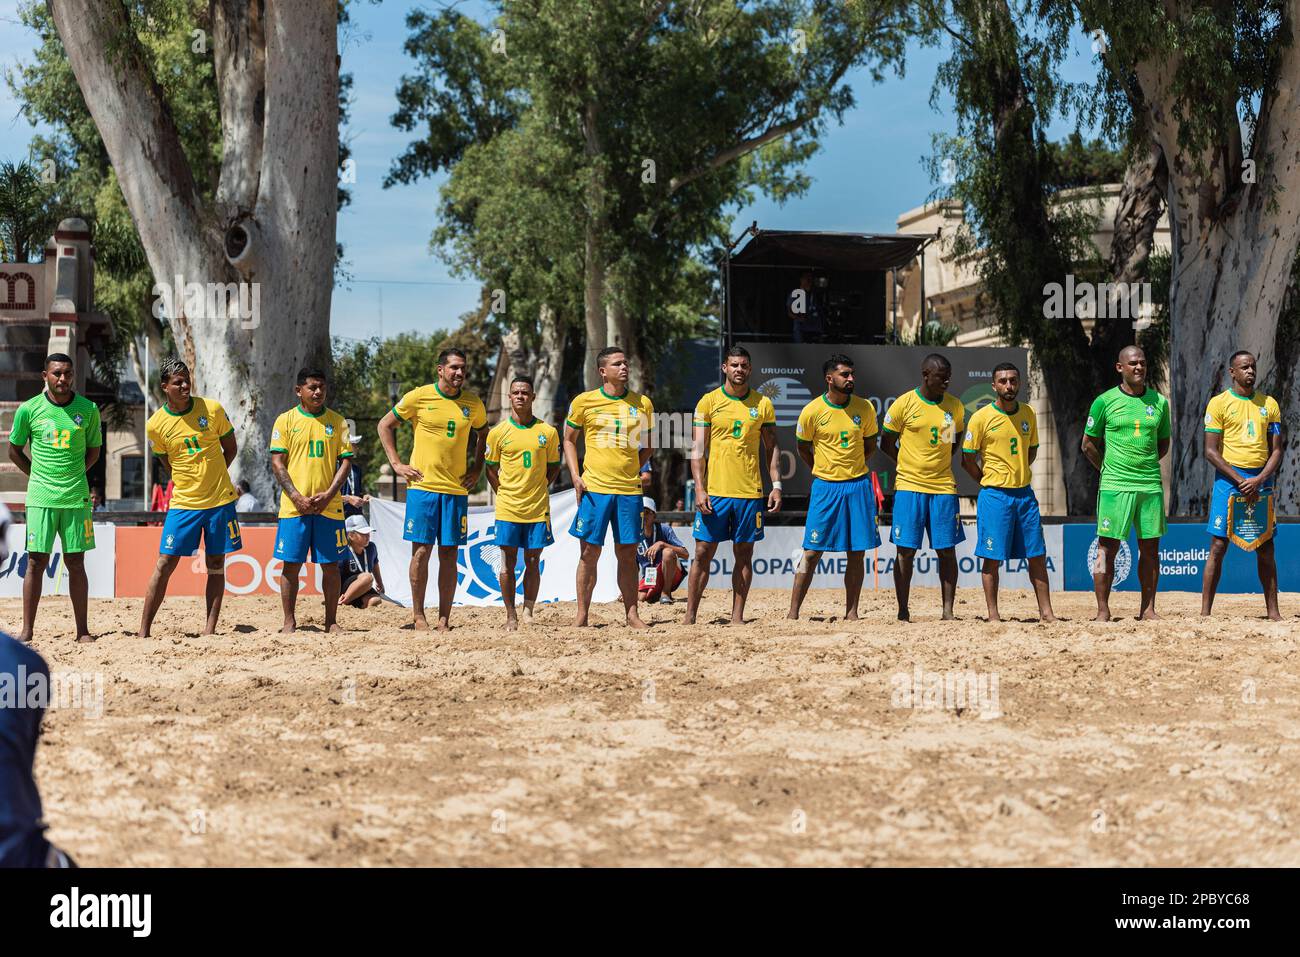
[59, 435]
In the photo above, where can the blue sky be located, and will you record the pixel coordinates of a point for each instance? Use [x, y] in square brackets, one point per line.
[868, 171]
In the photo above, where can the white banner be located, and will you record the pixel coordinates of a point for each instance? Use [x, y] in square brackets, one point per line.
[100, 564]
[775, 558]
[476, 581]
[776, 555]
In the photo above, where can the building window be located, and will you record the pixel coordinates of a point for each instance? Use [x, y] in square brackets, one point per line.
[133, 477]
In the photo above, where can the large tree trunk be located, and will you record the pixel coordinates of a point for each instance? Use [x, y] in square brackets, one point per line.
[1234, 246]
[272, 226]
[548, 369]
[596, 226]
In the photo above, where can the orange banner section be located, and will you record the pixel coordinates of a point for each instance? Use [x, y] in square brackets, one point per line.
[252, 571]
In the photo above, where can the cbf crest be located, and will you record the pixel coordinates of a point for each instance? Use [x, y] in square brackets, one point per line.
[1024, 427]
[77, 418]
[753, 413]
[541, 440]
[203, 422]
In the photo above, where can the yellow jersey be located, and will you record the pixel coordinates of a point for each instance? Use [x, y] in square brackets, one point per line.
[836, 433]
[522, 454]
[613, 428]
[926, 432]
[1245, 423]
[1004, 440]
[191, 443]
[313, 445]
[442, 427]
[735, 437]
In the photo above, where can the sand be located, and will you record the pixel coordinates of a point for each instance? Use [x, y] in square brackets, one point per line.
[1129, 743]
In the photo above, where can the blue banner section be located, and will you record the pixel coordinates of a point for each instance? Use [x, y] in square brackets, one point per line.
[1183, 551]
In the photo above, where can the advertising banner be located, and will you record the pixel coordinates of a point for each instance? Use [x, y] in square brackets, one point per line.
[791, 376]
[99, 564]
[776, 556]
[1183, 551]
[478, 561]
[252, 571]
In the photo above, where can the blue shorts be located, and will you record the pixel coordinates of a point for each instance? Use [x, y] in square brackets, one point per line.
[733, 520]
[1224, 487]
[598, 509]
[524, 535]
[218, 526]
[325, 536]
[1008, 524]
[933, 513]
[436, 518]
[841, 516]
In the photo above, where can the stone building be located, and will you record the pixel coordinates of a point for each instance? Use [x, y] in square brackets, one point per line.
[49, 307]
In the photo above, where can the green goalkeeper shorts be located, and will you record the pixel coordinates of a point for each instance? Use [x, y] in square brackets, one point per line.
[74, 526]
[1118, 512]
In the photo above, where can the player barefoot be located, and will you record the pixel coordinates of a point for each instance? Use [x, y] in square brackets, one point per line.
[730, 423]
[63, 429]
[922, 432]
[837, 436]
[1243, 441]
[309, 456]
[523, 458]
[444, 417]
[1001, 444]
[198, 442]
[1133, 422]
[613, 421]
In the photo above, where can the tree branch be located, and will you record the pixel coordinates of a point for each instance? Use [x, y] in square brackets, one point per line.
[239, 54]
[740, 149]
[636, 38]
[134, 122]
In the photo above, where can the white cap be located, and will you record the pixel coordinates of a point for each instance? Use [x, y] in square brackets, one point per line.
[648, 503]
[357, 523]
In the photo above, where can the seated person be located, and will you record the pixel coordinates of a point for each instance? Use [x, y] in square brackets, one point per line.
[804, 312]
[659, 553]
[22, 824]
[360, 581]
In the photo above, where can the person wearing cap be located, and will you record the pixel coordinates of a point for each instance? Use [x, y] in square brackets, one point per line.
[660, 554]
[354, 491]
[359, 566]
[22, 825]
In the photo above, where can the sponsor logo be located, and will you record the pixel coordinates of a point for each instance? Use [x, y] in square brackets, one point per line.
[1123, 560]
[788, 397]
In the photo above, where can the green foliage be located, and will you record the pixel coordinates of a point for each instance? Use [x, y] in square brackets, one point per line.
[28, 212]
[932, 332]
[359, 380]
[642, 120]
